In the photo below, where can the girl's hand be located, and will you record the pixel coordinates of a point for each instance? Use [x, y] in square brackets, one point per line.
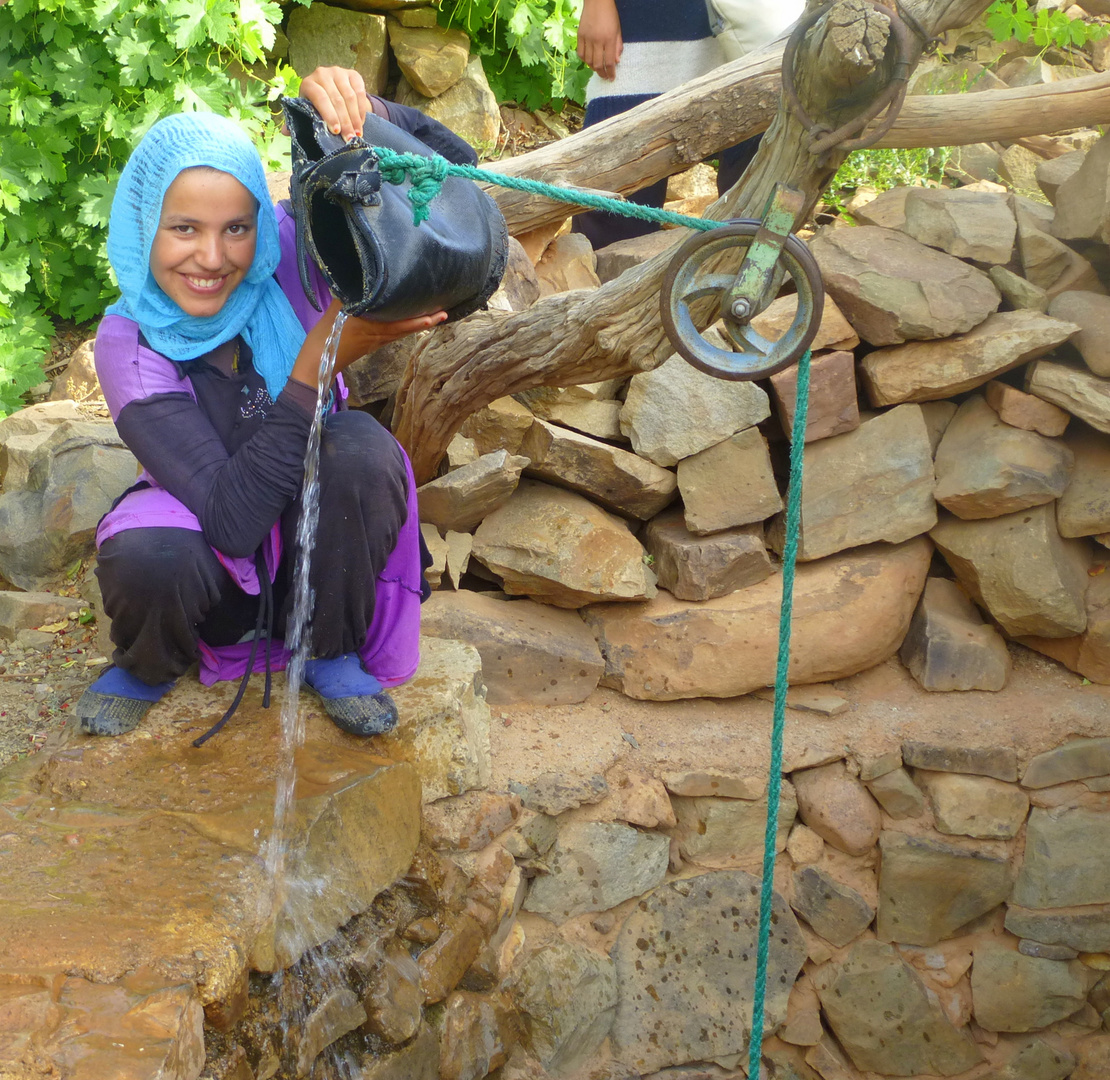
[360, 336]
[363, 335]
[599, 37]
[339, 95]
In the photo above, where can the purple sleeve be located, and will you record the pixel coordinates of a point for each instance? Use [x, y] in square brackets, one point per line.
[238, 497]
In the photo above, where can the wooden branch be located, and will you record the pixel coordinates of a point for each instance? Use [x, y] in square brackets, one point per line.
[616, 330]
[1001, 115]
[734, 102]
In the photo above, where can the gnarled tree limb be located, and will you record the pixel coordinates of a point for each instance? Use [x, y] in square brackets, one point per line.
[615, 331]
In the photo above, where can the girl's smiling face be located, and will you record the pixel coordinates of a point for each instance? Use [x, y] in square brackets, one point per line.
[205, 241]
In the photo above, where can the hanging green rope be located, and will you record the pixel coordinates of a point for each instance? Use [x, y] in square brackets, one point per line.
[774, 780]
[426, 175]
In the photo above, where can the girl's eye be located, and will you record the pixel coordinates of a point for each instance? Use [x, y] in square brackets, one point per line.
[239, 230]
[183, 230]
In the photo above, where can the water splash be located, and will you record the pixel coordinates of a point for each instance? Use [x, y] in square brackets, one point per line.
[297, 632]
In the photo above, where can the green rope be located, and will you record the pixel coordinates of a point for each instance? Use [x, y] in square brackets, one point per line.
[426, 174]
[774, 780]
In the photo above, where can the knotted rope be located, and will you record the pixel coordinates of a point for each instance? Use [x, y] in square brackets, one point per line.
[426, 175]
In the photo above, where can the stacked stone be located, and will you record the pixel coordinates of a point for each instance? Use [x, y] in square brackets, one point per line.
[438, 73]
[980, 336]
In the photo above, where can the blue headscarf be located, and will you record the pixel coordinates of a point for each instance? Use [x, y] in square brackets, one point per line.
[257, 309]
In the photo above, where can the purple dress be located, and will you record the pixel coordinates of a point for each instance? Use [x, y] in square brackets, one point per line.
[131, 373]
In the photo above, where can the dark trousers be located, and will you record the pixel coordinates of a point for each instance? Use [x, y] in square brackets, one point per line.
[165, 588]
[602, 228]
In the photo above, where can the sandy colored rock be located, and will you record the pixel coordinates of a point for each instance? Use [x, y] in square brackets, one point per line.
[687, 995]
[928, 890]
[1083, 201]
[478, 1034]
[461, 499]
[837, 807]
[985, 468]
[530, 652]
[614, 259]
[850, 612]
[975, 225]
[567, 263]
[618, 480]
[1084, 929]
[804, 846]
[432, 59]
[835, 910]
[723, 833]
[354, 813]
[893, 289]
[897, 794]
[874, 483]
[596, 865]
[676, 411]
[501, 425]
[140, 1026]
[911, 1034]
[568, 995]
[1076, 759]
[1056, 871]
[729, 484]
[323, 35]
[1022, 410]
[78, 382]
[1017, 567]
[558, 547]
[599, 419]
[27, 610]
[1052, 173]
[447, 734]
[925, 371]
[833, 332]
[700, 567]
[978, 806]
[997, 761]
[833, 404]
[887, 210]
[1078, 391]
[1016, 291]
[694, 782]
[468, 108]
[1084, 507]
[937, 416]
[949, 647]
[1012, 992]
[553, 794]
[1091, 313]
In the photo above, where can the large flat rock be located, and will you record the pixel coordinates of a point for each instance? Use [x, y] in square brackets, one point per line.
[1020, 569]
[874, 483]
[685, 960]
[928, 371]
[851, 612]
[530, 652]
[155, 849]
[558, 547]
[1076, 390]
[894, 289]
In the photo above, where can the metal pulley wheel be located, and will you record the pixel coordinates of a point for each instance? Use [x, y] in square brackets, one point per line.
[770, 254]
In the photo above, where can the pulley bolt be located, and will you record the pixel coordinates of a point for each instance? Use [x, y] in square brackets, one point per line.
[741, 309]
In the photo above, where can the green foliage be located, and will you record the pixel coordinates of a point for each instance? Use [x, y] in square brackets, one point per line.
[1007, 19]
[884, 169]
[528, 46]
[80, 83]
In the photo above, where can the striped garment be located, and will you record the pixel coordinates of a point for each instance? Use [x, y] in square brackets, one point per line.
[666, 43]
